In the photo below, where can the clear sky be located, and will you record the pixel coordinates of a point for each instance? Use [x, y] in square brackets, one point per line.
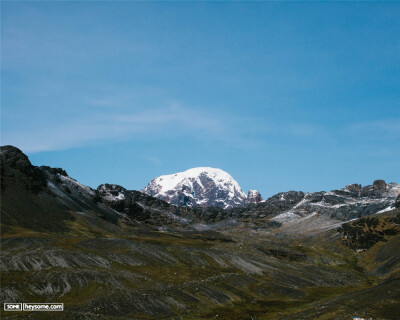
[283, 96]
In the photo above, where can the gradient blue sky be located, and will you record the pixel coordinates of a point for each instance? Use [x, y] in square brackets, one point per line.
[283, 96]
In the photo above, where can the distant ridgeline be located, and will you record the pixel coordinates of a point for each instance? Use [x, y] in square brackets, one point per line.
[187, 199]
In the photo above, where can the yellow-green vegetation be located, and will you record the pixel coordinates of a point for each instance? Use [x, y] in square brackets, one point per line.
[142, 273]
[113, 253]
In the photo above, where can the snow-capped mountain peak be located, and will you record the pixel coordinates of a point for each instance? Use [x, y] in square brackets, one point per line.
[202, 186]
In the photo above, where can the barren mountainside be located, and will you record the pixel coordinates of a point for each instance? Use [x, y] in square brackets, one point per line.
[113, 253]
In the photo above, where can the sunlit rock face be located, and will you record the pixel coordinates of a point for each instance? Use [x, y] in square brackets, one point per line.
[351, 202]
[198, 187]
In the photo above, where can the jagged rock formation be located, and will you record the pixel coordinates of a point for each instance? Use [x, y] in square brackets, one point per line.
[198, 187]
[354, 188]
[299, 212]
[140, 206]
[343, 204]
[254, 197]
[14, 161]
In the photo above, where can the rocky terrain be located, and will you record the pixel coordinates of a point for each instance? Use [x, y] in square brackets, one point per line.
[112, 253]
[362, 234]
[299, 212]
[198, 187]
[295, 211]
[253, 196]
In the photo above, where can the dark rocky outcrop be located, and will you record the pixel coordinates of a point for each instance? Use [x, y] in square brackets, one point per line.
[397, 203]
[54, 171]
[379, 185]
[14, 163]
[253, 196]
[356, 188]
[363, 233]
[374, 190]
[25, 198]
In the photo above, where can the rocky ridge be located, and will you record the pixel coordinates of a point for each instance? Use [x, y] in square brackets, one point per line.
[52, 197]
[253, 196]
[296, 210]
[342, 204]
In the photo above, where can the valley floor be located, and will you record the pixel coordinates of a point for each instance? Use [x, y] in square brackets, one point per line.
[104, 271]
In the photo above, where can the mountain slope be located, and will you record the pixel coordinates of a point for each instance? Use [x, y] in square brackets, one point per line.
[47, 199]
[112, 253]
[299, 212]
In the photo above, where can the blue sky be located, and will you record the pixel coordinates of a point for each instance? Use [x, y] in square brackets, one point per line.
[283, 96]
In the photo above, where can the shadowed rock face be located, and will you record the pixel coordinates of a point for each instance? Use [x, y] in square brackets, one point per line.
[374, 190]
[354, 188]
[15, 162]
[16, 159]
[43, 198]
[397, 203]
[141, 207]
[254, 196]
[380, 185]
